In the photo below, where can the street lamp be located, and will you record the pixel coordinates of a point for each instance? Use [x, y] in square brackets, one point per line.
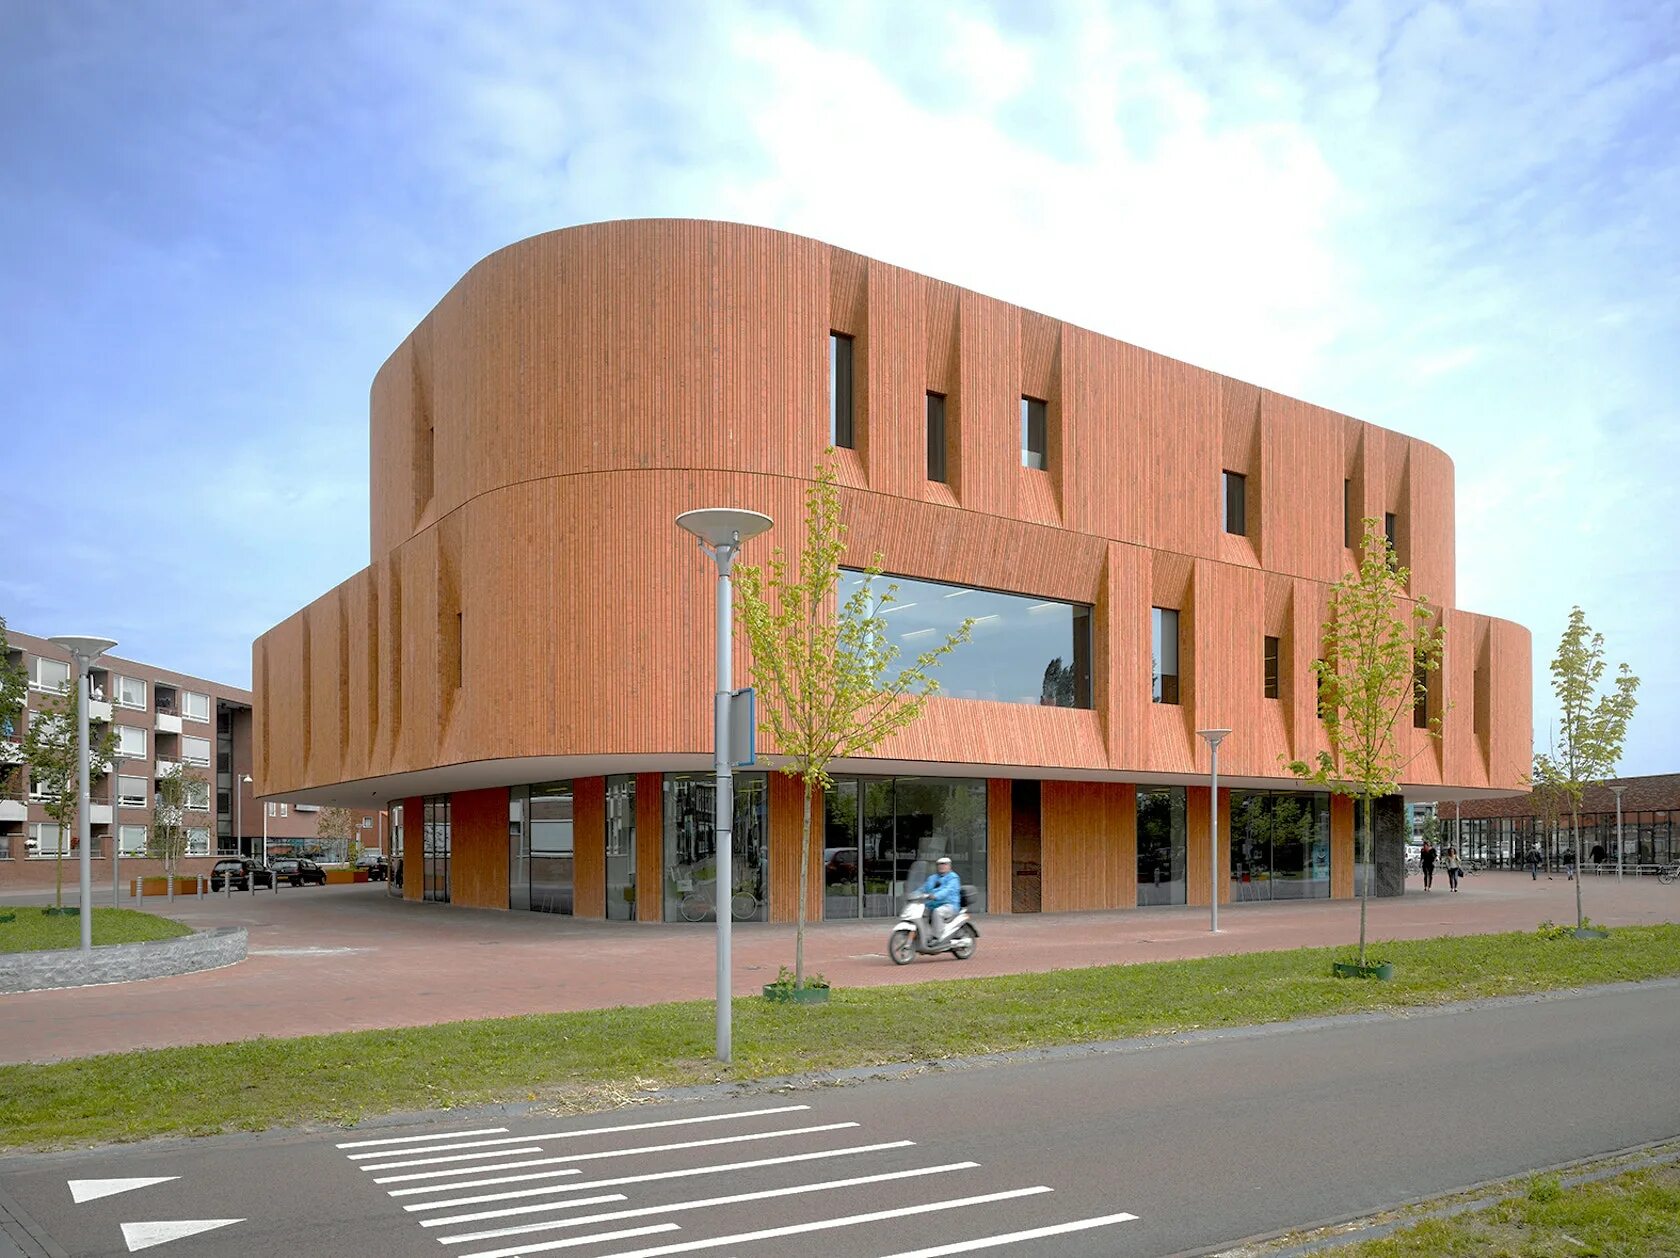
[720, 531]
[1617, 790]
[1214, 738]
[84, 651]
[240, 782]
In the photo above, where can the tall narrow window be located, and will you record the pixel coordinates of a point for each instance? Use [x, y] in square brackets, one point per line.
[1391, 530]
[1271, 667]
[1034, 420]
[1420, 695]
[1236, 503]
[1347, 514]
[460, 649]
[936, 436]
[1323, 703]
[840, 426]
[1164, 688]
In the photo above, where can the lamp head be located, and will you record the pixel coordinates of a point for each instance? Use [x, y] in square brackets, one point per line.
[1617, 791]
[85, 649]
[1214, 736]
[719, 526]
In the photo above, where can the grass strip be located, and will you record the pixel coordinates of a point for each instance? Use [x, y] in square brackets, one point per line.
[1633, 1214]
[33, 929]
[595, 1057]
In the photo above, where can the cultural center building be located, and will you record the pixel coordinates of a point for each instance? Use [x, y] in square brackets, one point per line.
[523, 673]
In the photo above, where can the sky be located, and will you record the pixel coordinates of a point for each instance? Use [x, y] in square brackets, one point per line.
[1457, 220]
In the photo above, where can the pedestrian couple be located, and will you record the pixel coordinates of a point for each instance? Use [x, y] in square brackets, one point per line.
[1427, 858]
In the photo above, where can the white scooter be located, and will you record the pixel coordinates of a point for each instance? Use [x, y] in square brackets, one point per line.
[915, 932]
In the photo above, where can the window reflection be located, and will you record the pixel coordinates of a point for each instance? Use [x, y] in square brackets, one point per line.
[1161, 844]
[552, 847]
[1023, 650]
[1280, 845]
[875, 829]
[691, 848]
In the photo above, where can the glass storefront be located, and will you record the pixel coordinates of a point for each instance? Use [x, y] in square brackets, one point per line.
[393, 884]
[691, 848]
[1280, 845]
[1161, 842]
[1023, 650]
[874, 829]
[621, 848]
[549, 820]
[435, 844]
[519, 848]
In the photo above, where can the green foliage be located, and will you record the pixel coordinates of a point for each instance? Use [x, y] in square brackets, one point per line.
[1591, 726]
[827, 672]
[14, 687]
[51, 749]
[1545, 1188]
[1551, 930]
[595, 1058]
[1377, 658]
[29, 930]
[181, 793]
[788, 978]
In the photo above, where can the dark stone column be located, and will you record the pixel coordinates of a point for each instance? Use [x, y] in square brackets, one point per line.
[1388, 824]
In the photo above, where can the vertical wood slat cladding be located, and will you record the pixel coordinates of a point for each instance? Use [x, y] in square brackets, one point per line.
[478, 856]
[650, 847]
[1342, 817]
[589, 847]
[1197, 821]
[1089, 845]
[786, 822]
[1000, 834]
[584, 387]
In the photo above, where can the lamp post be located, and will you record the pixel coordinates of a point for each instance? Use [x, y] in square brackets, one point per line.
[84, 650]
[240, 782]
[1214, 738]
[720, 531]
[1617, 790]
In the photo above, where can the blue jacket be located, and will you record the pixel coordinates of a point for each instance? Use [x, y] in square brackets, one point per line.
[943, 889]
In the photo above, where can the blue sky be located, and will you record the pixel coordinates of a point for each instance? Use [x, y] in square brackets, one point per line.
[218, 219]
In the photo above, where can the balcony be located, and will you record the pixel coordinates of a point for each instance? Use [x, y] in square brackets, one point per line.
[166, 767]
[99, 709]
[11, 751]
[13, 810]
[99, 814]
[167, 723]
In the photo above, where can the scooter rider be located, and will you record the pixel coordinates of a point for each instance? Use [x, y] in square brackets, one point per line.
[944, 895]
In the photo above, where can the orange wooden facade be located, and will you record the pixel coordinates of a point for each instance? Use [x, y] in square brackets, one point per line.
[531, 612]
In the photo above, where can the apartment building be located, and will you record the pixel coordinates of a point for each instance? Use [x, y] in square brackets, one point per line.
[523, 674]
[161, 719]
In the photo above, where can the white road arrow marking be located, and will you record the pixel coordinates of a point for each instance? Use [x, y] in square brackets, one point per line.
[145, 1235]
[92, 1189]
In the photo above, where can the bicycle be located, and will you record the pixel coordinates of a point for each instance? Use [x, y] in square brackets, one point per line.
[1668, 873]
[696, 906]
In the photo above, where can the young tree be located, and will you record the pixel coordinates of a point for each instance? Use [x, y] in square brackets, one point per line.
[825, 669]
[1592, 726]
[181, 792]
[1377, 659]
[50, 751]
[336, 823]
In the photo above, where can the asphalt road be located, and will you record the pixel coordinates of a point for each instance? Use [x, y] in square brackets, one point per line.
[1148, 1151]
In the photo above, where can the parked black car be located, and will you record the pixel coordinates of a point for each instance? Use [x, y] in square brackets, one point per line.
[374, 864]
[297, 871]
[239, 872]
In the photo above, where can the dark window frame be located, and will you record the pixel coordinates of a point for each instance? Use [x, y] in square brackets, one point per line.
[1164, 686]
[1035, 426]
[1236, 502]
[842, 395]
[1420, 697]
[935, 414]
[1270, 668]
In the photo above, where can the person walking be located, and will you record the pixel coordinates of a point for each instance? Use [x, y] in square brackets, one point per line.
[1426, 859]
[1455, 868]
[1533, 858]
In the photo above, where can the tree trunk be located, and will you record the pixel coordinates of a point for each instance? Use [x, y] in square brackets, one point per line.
[1580, 917]
[804, 877]
[1365, 890]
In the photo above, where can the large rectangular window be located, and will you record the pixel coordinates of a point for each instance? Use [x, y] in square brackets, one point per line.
[1162, 843]
[841, 429]
[196, 751]
[691, 848]
[1034, 423]
[1270, 664]
[553, 847]
[131, 792]
[198, 841]
[131, 840]
[1023, 650]
[43, 838]
[1280, 845]
[195, 707]
[1164, 635]
[876, 830]
[936, 436]
[131, 692]
[51, 675]
[131, 742]
[1236, 503]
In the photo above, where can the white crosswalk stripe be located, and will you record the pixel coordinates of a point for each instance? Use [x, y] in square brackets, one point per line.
[549, 1193]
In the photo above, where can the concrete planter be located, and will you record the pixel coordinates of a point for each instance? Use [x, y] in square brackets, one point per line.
[1590, 932]
[122, 963]
[779, 993]
[1383, 971]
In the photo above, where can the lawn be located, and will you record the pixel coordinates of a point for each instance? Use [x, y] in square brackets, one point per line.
[1635, 1215]
[595, 1058]
[31, 929]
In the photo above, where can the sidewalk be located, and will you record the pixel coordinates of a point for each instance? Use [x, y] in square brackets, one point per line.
[349, 958]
